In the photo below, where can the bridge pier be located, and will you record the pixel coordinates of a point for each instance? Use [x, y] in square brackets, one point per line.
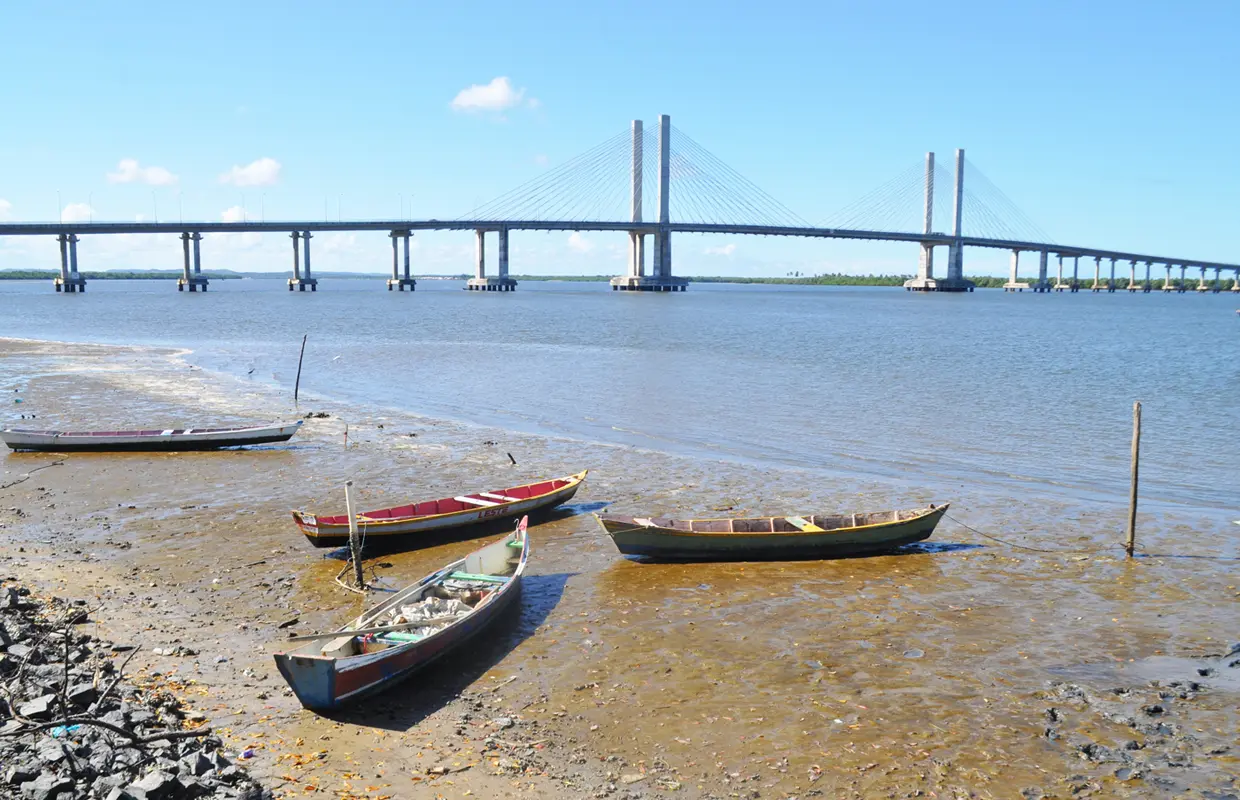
[298, 280]
[1235, 284]
[501, 283]
[660, 278]
[1201, 285]
[925, 282]
[1167, 285]
[396, 280]
[1043, 285]
[1097, 287]
[69, 281]
[1132, 276]
[1183, 286]
[192, 279]
[1059, 284]
[1111, 281]
[1014, 285]
[1217, 286]
[1076, 266]
[1149, 286]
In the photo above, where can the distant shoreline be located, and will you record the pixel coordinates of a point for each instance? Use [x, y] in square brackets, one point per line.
[835, 279]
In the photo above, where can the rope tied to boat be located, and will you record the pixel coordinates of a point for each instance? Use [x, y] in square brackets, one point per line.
[1033, 549]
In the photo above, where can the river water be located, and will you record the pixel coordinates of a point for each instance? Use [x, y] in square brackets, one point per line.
[1014, 393]
[938, 669]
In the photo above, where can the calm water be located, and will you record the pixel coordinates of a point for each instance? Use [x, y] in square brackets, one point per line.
[1001, 393]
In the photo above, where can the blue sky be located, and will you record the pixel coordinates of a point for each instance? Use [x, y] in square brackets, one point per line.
[1110, 124]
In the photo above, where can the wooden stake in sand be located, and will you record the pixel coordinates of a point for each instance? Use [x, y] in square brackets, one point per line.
[1130, 543]
[297, 383]
[355, 546]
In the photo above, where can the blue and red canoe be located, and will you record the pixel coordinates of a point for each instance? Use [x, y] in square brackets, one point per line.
[404, 633]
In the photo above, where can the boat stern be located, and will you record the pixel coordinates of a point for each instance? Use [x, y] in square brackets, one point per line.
[312, 679]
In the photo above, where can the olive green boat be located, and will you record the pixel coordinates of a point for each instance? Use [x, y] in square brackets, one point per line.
[770, 538]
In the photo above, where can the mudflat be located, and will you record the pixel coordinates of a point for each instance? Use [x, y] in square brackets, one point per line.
[1039, 661]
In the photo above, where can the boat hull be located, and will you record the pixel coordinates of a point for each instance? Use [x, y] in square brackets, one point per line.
[668, 544]
[427, 530]
[53, 441]
[347, 669]
[322, 685]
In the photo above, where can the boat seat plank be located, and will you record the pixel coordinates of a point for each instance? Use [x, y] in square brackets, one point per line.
[161, 433]
[803, 524]
[501, 497]
[469, 576]
[475, 501]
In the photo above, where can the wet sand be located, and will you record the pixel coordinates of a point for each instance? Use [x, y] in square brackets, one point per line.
[965, 667]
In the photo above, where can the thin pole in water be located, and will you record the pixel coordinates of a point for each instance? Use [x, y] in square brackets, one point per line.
[297, 383]
[355, 547]
[1131, 543]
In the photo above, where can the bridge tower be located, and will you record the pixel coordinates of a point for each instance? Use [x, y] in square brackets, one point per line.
[955, 280]
[661, 278]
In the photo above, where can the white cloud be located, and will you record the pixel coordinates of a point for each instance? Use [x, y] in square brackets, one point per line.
[263, 172]
[498, 95]
[77, 212]
[579, 243]
[722, 250]
[5, 208]
[128, 171]
[234, 214]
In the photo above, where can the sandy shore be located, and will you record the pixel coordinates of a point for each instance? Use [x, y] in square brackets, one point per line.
[969, 668]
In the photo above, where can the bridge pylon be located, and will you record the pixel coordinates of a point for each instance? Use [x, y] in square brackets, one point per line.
[955, 280]
[661, 278]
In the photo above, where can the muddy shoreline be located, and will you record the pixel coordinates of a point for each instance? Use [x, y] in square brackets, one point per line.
[928, 671]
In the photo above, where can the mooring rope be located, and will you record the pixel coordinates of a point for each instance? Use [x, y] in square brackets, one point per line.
[1027, 547]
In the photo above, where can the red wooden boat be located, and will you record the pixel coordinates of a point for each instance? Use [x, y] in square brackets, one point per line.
[421, 623]
[420, 520]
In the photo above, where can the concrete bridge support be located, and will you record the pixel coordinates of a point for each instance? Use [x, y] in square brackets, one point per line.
[192, 279]
[1218, 276]
[1132, 276]
[1013, 284]
[1059, 284]
[1043, 285]
[1183, 287]
[924, 282]
[397, 281]
[1111, 280]
[1235, 284]
[501, 282]
[1076, 270]
[1097, 287]
[954, 281]
[300, 280]
[1149, 286]
[69, 281]
[660, 278]
[1167, 285]
[1201, 285]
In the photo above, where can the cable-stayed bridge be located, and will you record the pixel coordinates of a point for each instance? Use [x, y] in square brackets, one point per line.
[612, 187]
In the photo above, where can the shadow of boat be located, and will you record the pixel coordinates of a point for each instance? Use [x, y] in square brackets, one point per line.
[405, 705]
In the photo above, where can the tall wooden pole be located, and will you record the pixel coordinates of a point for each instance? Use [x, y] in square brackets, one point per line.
[1131, 542]
[355, 546]
[297, 383]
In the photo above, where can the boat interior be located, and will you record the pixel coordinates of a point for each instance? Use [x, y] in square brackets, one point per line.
[449, 505]
[790, 524]
[424, 610]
